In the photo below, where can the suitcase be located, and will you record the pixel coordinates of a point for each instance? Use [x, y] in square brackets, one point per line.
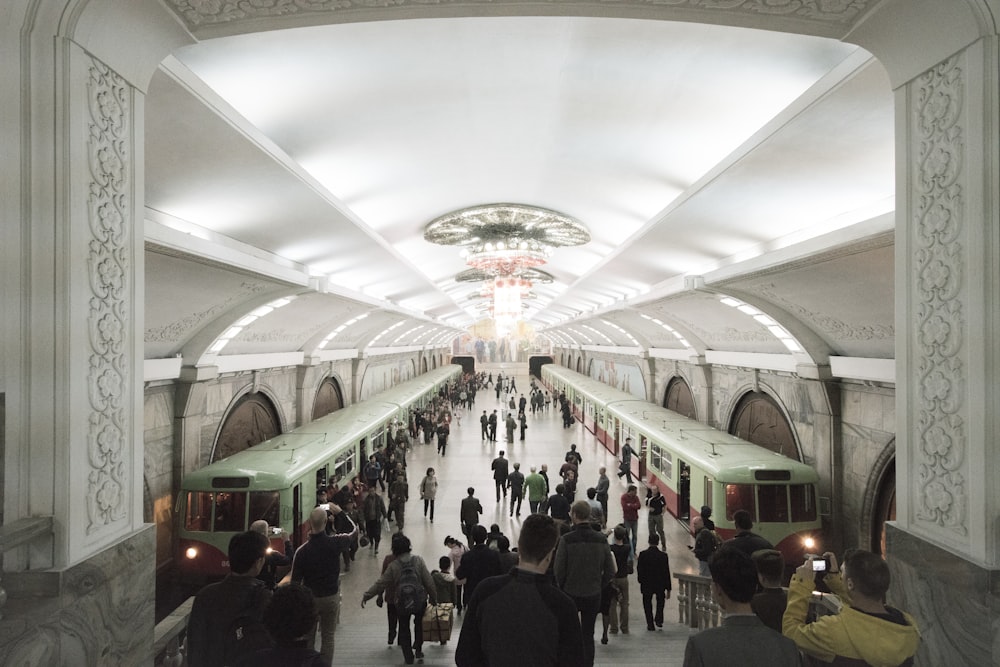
[437, 622]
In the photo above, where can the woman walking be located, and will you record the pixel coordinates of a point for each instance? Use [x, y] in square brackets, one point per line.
[428, 492]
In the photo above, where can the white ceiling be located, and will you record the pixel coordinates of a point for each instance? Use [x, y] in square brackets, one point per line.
[703, 159]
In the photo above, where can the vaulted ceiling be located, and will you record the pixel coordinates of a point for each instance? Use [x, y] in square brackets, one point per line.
[737, 183]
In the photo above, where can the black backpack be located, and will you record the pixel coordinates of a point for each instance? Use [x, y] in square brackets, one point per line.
[246, 634]
[411, 598]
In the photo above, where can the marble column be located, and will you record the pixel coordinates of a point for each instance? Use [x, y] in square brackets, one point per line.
[72, 332]
[944, 549]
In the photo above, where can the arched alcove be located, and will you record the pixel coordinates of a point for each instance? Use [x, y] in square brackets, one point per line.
[880, 500]
[678, 397]
[329, 398]
[251, 420]
[759, 419]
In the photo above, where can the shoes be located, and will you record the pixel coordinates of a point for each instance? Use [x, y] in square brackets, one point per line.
[614, 631]
[624, 631]
[392, 636]
[650, 627]
[419, 655]
[604, 639]
[659, 624]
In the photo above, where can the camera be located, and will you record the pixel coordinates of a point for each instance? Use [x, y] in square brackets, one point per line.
[819, 565]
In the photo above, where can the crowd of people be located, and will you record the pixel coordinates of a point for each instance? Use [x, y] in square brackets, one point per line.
[541, 593]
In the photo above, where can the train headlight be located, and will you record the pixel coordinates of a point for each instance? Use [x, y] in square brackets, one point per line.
[191, 553]
[809, 543]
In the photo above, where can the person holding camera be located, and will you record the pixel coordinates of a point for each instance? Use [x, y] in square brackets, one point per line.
[867, 629]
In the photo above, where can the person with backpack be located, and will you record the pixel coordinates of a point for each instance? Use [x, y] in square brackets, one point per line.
[414, 589]
[705, 544]
[226, 622]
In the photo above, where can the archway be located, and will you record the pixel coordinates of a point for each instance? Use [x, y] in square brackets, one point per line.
[759, 419]
[252, 420]
[678, 397]
[880, 500]
[328, 399]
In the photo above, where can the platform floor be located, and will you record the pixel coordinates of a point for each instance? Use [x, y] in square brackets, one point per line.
[361, 635]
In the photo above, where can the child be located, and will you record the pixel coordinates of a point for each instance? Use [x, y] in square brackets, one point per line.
[447, 590]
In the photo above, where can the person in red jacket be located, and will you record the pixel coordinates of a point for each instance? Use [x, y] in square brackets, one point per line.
[630, 512]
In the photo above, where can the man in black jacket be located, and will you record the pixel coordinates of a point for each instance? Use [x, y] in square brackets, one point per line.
[505, 626]
[217, 606]
[653, 574]
[478, 563]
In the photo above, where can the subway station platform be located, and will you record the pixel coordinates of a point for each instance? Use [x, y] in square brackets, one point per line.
[362, 633]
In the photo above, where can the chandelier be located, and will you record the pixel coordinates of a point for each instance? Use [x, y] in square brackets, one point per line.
[504, 244]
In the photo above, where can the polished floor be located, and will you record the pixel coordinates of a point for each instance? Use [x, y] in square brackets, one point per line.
[361, 635]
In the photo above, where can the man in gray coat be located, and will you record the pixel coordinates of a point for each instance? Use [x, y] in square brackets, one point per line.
[583, 567]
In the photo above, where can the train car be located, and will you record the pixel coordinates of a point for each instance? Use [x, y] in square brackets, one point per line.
[695, 464]
[277, 480]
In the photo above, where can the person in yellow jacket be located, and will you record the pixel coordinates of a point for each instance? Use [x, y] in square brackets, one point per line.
[866, 631]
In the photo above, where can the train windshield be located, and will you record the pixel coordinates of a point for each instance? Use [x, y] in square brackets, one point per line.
[772, 503]
[229, 515]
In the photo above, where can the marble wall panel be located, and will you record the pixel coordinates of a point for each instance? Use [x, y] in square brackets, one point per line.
[101, 616]
[956, 602]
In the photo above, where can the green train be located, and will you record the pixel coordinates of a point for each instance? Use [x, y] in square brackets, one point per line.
[695, 464]
[277, 480]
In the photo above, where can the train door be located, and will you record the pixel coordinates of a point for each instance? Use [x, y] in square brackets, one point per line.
[297, 529]
[683, 490]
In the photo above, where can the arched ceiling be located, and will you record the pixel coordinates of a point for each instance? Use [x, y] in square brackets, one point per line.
[707, 162]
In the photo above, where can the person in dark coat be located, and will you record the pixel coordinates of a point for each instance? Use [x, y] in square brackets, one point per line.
[478, 563]
[288, 619]
[745, 540]
[653, 574]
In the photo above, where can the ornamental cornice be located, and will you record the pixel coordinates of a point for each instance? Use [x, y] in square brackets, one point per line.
[827, 18]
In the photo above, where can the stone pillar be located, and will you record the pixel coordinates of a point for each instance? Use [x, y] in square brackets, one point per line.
[72, 245]
[944, 550]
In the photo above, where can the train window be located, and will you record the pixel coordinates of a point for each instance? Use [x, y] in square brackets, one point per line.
[740, 497]
[667, 467]
[230, 512]
[344, 465]
[264, 505]
[198, 513]
[803, 498]
[321, 477]
[772, 503]
[655, 457]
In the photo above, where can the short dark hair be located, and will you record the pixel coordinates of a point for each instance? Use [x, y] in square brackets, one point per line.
[537, 538]
[591, 493]
[742, 519]
[400, 544]
[245, 549]
[444, 563]
[654, 539]
[478, 534]
[770, 566]
[733, 570]
[868, 571]
[580, 510]
[290, 614]
[471, 490]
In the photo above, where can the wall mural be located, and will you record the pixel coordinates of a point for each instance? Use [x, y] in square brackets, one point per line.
[626, 377]
[384, 376]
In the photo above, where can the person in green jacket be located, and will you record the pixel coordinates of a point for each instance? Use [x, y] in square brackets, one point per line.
[866, 629]
[536, 489]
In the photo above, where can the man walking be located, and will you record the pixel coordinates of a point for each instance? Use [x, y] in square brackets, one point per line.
[626, 465]
[500, 468]
[536, 489]
[583, 567]
[516, 483]
[510, 425]
[317, 566]
[493, 425]
[653, 574]
[602, 488]
[471, 509]
[484, 425]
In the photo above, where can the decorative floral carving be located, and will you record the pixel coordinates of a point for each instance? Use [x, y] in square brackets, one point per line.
[209, 12]
[938, 281]
[108, 379]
